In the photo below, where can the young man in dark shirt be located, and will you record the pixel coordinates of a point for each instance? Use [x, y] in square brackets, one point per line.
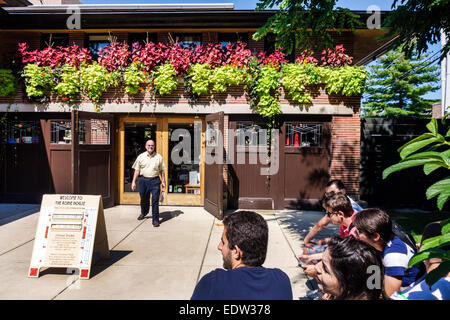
[244, 247]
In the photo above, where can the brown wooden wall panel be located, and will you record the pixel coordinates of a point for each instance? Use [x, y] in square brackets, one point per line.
[249, 179]
[61, 166]
[305, 175]
[94, 173]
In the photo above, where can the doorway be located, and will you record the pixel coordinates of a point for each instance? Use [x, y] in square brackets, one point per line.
[180, 142]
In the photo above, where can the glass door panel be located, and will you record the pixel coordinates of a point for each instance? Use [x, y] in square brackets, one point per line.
[136, 134]
[184, 158]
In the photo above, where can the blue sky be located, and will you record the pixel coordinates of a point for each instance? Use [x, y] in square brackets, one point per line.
[251, 4]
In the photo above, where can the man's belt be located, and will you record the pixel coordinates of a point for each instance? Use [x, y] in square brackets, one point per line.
[148, 178]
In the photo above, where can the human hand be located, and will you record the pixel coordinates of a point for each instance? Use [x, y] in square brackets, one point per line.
[133, 185]
[305, 258]
[310, 270]
[163, 185]
[309, 244]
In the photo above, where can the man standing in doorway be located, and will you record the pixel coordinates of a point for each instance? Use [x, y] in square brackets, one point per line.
[149, 167]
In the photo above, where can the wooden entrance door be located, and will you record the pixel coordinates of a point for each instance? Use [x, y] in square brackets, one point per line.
[132, 135]
[93, 155]
[214, 151]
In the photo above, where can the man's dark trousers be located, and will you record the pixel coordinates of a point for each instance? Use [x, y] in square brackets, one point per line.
[146, 187]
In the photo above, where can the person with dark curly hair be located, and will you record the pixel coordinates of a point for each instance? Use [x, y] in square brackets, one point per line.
[350, 269]
[244, 246]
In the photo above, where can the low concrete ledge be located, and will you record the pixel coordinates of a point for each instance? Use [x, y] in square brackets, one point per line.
[181, 108]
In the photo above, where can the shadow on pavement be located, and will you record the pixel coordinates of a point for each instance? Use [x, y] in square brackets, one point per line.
[98, 265]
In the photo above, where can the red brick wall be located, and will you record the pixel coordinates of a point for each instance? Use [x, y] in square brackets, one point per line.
[345, 150]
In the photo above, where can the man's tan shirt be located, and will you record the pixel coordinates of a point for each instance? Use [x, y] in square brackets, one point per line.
[149, 166]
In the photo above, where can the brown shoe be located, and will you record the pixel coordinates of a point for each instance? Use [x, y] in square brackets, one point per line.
[141, 217]
[155, 223]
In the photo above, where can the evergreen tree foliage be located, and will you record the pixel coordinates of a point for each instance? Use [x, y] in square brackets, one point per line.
[397, 85]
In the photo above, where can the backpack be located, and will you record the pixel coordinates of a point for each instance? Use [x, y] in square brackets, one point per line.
[403, 235]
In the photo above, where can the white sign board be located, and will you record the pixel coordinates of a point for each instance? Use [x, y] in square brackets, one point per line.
[70, 228]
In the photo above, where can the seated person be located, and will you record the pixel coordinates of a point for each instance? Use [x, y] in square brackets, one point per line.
[375, 227]
[333, 186]
[343, 272]
[340, 211]
[244, 247]
[420, 290]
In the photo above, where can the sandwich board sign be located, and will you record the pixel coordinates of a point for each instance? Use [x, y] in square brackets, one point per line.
[70, 228]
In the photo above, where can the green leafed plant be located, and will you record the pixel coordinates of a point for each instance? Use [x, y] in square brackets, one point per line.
[297, 77]
[346, 80]
[136, 78]
[199, 78]
[430, 150]
[224, 76]
[69, 84]
[38, 80]
[7, 83]
[95, 80]
[165, 79]
[436, 247]
[266, 89]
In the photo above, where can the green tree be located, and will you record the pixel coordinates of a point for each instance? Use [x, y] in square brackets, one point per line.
[396, 85]
[432, 151]
[305, 23]
[418, 23]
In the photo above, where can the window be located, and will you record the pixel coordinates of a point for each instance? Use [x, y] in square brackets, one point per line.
[93, 131]
[303, 135]
[141, 38]
[187, 40]
[250, 134]
[24, 132]
[55, 39]
[61, 132]
[225, 38]
[97, 42]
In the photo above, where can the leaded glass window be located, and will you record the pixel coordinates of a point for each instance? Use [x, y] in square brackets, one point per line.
[303, 135]
[24, 132]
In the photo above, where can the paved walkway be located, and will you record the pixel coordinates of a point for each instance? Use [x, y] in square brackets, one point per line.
[146, 262]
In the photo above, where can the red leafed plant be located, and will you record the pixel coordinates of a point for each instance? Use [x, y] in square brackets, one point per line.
[274, 59]
[181, 58]
[75, 56]
[336, 58]
[114, 56]
[307, 57]
[150, 55]
[236, 54]
[210, 53]
[54, 57]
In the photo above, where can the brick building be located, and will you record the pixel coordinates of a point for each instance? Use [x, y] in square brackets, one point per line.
[42, 151]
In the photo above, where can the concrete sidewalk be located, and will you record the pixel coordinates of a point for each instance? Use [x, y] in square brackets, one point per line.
[147, 262]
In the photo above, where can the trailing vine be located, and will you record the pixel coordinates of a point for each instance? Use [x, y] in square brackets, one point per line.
[7, 83]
